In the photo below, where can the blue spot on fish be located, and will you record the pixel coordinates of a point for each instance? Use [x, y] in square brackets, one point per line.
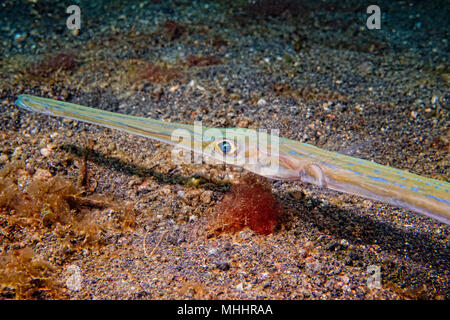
[415, 189]
[438, 199]
[378, 179]
[295, 152]
[356, 172]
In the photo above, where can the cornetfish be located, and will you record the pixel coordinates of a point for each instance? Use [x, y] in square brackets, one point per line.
[272, 157]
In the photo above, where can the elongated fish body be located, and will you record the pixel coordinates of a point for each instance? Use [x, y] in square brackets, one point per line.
[370, 180]
[296, 160]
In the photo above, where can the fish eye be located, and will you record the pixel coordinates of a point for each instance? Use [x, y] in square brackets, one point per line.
[225, 147]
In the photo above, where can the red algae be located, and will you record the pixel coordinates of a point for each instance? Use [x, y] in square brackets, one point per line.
[250, 203]
[202, 61]
[155, 73]
[174, 29]
[51, 64]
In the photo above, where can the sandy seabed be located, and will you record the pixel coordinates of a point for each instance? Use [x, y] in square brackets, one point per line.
[92, 213]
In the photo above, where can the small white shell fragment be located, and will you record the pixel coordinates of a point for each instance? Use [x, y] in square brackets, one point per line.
[46, 152]
[434, 100]
[261, 102]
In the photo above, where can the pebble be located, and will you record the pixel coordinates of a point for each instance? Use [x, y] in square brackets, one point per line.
[297, 195]
[365, 67]
[246, 234]
[344, 243]
[180, 193]
[42, 174]
[261, 102]
[223, 266]
[174, 88]
[434, 100]
[205, 197]
[20, 36]
[46, 152]
[17, 153]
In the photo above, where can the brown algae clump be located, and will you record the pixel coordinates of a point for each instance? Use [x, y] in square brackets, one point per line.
[140, 71]
[25, 275]
[61, 61]
[36, 207]
[202, 61]
[250, 203]
[174, 29]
